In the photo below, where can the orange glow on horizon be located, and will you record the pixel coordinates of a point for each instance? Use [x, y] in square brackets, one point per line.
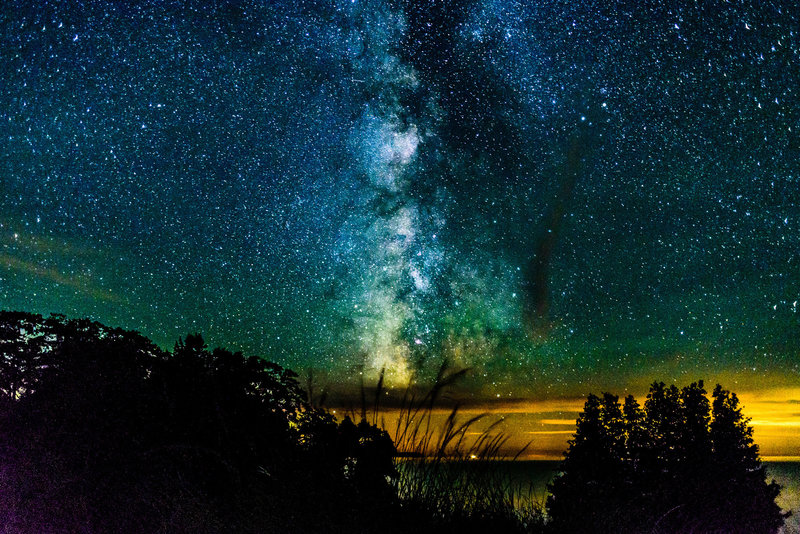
[546, 425]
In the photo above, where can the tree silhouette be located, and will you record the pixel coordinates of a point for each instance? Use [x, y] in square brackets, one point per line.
[680, 464]
[593, 470]
[102, 431]
[750, 501]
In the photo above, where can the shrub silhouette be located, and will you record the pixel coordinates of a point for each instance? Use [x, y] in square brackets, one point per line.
[680, 464]
[102, 431]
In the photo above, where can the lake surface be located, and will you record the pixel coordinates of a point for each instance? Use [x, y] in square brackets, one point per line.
[529, 480]
[787, 474]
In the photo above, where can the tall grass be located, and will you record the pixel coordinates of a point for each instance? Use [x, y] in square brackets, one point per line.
[445, 467]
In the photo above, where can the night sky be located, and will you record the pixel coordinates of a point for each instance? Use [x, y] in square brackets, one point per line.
[558, 195]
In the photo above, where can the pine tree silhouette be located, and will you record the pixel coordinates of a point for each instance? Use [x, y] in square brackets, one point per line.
[680, 464]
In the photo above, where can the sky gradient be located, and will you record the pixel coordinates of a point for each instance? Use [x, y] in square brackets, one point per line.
[562, 196]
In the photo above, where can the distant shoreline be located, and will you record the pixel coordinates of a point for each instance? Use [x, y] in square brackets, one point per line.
[554, 460]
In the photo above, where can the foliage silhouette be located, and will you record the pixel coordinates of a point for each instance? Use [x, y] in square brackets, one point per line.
[445, 463]
[102, 431]
[680, 464]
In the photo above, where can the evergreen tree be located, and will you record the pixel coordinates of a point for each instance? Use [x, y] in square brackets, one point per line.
[681, 464]
[637, 438]
[694, 441]
[747, 502]
[591, 473]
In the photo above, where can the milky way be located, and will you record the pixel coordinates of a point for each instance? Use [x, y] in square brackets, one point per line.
[357, 185]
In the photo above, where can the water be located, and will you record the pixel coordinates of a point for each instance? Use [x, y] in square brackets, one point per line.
[787, 474]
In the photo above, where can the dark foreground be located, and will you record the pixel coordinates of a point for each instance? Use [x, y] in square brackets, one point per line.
[102, 431]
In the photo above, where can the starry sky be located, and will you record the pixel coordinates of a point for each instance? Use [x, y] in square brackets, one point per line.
[558, 195]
